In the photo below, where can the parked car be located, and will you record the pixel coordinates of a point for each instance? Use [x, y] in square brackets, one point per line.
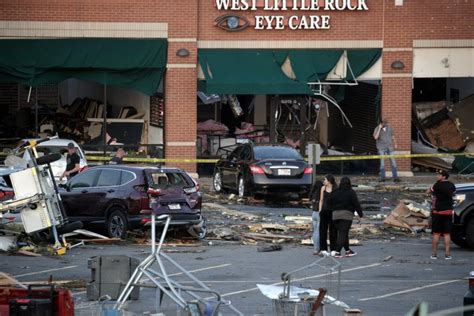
[462, 233]
[58, 145]
[263, 169]
[119, 197]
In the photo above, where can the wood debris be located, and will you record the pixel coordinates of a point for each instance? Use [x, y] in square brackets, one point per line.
[299, 219]
[403, 217]
[259, 227]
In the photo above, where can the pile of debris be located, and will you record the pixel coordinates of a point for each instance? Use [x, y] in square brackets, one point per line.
[409, 215]
[443, 128]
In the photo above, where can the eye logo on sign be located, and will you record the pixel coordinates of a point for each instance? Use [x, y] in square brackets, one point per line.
[231, 22]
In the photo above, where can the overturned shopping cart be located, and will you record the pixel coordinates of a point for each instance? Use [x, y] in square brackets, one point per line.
[188, 298]
[289, 299]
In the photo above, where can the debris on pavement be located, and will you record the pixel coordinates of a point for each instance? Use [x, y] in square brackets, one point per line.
[409, 215]
[269, 248]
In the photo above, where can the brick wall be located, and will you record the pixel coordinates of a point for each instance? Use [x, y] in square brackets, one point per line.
[396, 26]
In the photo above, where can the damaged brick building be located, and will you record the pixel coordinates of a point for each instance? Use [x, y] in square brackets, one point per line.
[299, 71]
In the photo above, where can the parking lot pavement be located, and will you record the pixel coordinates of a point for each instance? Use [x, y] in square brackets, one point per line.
[368, 282]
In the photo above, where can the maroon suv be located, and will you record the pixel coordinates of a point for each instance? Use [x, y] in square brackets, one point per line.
[121, 196]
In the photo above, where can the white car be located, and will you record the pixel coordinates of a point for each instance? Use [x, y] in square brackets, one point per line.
[58, 145]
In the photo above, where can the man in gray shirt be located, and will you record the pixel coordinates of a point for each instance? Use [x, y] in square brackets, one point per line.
[386, 144]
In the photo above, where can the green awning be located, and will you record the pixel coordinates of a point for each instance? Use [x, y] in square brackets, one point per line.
[247, 71]
[259, 71]
[134, 64]
[312, 65]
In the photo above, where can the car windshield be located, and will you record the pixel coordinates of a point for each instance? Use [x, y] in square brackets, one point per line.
[46, 150]
[276, 152]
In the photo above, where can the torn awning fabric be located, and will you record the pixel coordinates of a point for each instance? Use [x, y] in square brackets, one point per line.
[247, 71]
[133, 64]
[259, 71]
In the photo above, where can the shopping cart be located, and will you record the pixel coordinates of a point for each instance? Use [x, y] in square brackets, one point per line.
[289, 299]
[154, 268]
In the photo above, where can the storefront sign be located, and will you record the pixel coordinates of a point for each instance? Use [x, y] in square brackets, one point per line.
[235, 22]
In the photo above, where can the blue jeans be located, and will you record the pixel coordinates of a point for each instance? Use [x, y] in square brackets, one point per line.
[316, 230]
[393, 163]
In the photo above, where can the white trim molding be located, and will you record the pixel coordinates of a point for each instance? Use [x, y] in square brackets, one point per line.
[289, 44]
[182, 40]
[397, 75]
[180, 144]
[38, 29]
[180, 66]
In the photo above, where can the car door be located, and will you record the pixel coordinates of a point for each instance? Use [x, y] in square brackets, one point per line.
[106, 190]
[229, 168]
[76, 198]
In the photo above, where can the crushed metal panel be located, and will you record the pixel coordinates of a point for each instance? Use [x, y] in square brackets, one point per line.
[462, 113]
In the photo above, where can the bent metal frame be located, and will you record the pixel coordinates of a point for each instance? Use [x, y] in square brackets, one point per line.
[185, 297]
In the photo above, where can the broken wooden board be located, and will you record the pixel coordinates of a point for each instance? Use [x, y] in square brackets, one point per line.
[85, 233]
[230, 212]
[8, 281]
[352, 242]
[28, 253]
[306, 226]
[299, 219]
[259, 236]
[260, 227]
[102, 241]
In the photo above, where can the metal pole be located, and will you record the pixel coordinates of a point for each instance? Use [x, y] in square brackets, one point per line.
[36, 112]
[104, 128]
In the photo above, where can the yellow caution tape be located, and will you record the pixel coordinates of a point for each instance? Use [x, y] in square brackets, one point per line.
[324, 158]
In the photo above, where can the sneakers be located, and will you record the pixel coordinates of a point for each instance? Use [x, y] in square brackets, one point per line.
[350, 253]
[434, 256]
[448, 257]
[317, 253]
[324, 253]
[336, 254]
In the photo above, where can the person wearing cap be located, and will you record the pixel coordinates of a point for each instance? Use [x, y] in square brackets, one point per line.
[386, 145]
[442, 213]
[72, 162]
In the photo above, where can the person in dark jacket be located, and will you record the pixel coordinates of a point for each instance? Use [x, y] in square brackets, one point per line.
[325, 215]
[344, 203]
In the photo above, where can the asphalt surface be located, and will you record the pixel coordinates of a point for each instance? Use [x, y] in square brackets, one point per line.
[389, 275]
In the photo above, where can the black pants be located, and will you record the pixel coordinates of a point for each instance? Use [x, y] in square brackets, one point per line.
[342, 227]
[325, 224]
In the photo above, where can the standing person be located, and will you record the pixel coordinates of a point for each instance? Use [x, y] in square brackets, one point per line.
[72, 162]
[442, 213]
[314, 195]
[325, 215]
[386, 145]
[118, 158]
[343, 202]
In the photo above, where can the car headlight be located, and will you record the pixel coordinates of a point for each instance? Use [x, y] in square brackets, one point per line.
[459, 199]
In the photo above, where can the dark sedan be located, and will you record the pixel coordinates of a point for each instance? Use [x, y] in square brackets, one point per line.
[263, 169]
[462, 232]
[119, 197]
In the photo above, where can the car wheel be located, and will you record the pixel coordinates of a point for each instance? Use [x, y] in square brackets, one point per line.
[470, 233]
[460, 242]
[198, 231]
[117, 224]
[242, 187]
[217, 182]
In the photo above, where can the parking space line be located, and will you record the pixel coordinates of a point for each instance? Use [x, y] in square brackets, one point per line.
[306, 278]
[179, 273]
[408, 291]
[44, 271]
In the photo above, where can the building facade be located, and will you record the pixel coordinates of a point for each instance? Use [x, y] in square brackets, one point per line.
[416, 39]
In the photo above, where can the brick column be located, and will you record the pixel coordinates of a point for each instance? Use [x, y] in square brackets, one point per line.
[181, 105]
[397, 104]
